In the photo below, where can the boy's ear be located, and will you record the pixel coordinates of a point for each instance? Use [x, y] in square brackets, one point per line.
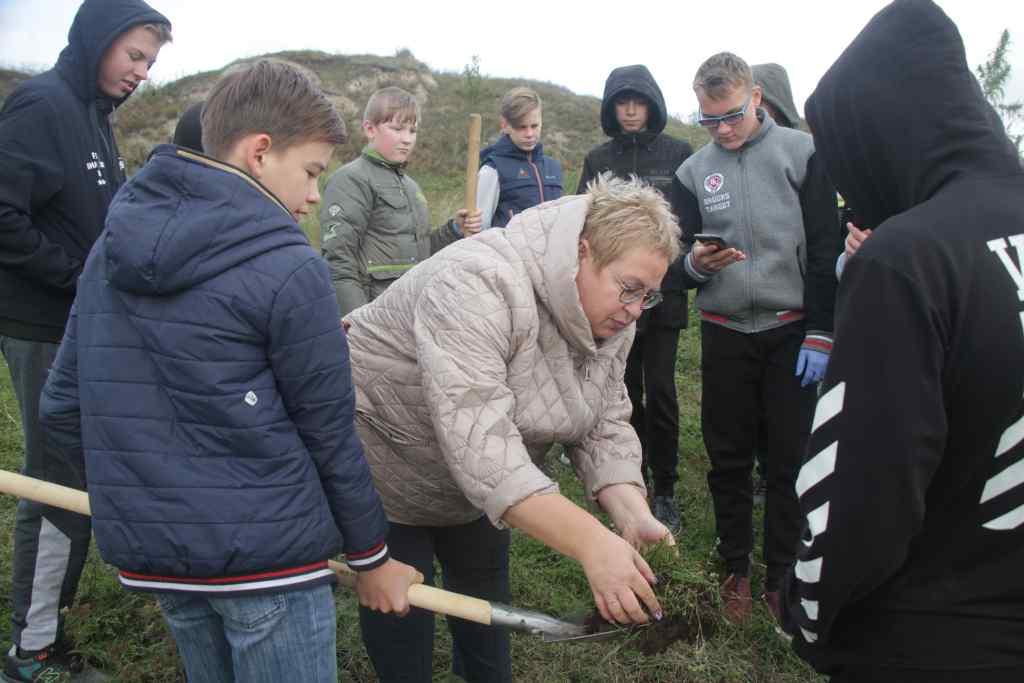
[504, 124]
[250, 154]
[369, 130]
[756, 95]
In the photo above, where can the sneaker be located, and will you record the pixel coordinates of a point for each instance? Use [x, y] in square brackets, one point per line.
[55, 663]
[737, 602]
[665, 511]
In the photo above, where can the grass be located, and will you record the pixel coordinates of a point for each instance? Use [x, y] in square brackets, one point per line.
[125, 635]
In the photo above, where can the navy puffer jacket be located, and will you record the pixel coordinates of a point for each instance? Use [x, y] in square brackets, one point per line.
[206, 366]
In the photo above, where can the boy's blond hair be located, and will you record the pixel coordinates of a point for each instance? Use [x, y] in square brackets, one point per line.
[722, 74]
[392, 104]
[162, 32]
[625, 214]
[517, 103]
[269, 97]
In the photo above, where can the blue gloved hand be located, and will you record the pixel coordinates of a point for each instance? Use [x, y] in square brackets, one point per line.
[811, 364]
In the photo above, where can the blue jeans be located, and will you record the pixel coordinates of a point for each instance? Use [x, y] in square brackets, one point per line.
[264, 638]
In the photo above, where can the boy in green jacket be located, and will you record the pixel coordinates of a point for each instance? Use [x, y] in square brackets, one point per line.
[374, 220]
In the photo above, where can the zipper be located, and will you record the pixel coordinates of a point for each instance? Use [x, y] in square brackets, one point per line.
[536, 173]
[750, 231]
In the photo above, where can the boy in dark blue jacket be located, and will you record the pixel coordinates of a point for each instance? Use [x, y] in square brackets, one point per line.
[515, 174]
[204, 382]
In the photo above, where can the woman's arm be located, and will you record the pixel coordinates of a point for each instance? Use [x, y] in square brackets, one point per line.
[619, 578]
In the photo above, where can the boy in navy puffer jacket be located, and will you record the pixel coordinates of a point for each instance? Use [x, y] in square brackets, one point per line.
[204, 382]
[515, 174]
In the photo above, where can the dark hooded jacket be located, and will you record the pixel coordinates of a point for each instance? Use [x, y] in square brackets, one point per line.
[59, 169]
[774, 82]
[204, 380]
[913, 488]
[651, 155]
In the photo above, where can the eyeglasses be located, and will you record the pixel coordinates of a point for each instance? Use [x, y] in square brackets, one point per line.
[731, 119]
[630, 295]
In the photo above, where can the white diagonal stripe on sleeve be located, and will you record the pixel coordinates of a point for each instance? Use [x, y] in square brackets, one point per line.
[817, 468]
[1011, 437]
[808, 636]
[809, 571]
[829, 405]
[817, 521]
[1010, 478]
[1011, 520]
[810, 608]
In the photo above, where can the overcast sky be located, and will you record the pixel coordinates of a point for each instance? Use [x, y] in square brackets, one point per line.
[574, 44]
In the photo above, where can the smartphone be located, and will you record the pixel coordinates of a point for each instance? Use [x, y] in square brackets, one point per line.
[711, 239]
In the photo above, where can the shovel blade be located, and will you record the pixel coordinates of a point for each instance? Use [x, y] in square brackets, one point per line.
[610, 632]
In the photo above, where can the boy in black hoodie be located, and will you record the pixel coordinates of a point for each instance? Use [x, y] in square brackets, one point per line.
[633, 115]
[59, 170]
[913, 488]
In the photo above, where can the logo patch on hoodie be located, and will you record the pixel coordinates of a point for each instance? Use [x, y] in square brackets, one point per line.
[714, 182]
[251, 399]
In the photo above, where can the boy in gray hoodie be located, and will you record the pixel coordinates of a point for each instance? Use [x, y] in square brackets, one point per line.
[765, 296]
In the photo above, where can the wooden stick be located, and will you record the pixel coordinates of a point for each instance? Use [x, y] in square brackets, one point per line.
[44, 492]
[472, 161]
[425, 597]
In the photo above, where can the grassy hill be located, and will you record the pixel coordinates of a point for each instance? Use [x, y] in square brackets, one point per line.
[571, 122]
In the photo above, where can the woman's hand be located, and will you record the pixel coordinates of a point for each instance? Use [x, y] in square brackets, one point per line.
[620, 580]
[629, 510]
[645, 531]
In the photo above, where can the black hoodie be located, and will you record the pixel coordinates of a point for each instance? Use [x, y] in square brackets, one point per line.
[913, 488]
[59, 169]
[651, 155]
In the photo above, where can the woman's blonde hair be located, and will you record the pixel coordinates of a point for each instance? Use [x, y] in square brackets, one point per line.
[625, 214]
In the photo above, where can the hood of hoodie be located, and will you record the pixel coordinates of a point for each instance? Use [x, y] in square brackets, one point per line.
[636, 78]
[96, 25]
[900, 114]
[547, 239]
[184, 219]
[774, 82]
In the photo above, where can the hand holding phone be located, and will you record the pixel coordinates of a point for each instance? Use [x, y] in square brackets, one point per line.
[711, 239]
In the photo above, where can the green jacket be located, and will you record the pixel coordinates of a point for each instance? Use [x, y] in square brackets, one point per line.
[374, 227]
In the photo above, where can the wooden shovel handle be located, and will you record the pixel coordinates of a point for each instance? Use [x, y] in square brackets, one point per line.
[426, 597]
[472, 161]
[429, 598]
[44, 492]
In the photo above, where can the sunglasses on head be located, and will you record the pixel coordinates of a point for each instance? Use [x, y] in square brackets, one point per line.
[729, 119]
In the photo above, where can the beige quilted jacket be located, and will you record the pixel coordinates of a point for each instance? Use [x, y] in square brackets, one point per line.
[481, 357]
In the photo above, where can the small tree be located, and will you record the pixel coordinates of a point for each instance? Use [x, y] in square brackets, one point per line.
[471, 88]
[994, 75]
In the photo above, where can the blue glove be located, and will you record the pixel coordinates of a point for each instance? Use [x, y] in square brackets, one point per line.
[811, 364]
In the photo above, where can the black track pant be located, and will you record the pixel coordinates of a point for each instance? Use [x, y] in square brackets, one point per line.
[474, 561]
[651, 383]
[749, 381]
[50, 544]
